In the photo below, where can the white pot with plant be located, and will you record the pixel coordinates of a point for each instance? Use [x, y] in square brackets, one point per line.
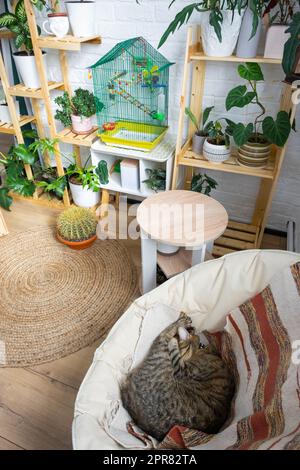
[82, 15]
[76, 111]
[255, 138]
[220, 24]
[201, 131]
[278, 15]
[84, 184]
[4, 111]
[216, 147]
[25, 60]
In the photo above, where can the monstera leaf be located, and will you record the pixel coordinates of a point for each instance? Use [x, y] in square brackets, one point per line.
[5, 199]
[277, 131]
[251, 72]
[239, 97]
[24, 154]
[21, 186]
[241, 133]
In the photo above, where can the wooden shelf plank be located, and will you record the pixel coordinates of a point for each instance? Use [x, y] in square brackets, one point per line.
[8, 128]
[178, 262]
[41, 200]
[6, 34]
[230, 166]
[67, 43]
[237, 236]
[69, 137]
[259, 59]
[22, 90]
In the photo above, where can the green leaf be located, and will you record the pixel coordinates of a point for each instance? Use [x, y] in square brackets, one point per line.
[30, 134]
[24, 154]
[20, 12]
[21, 186]
[20, 40]
[215, 20]
[5, 199]
[242, 133]
[181, 18]
[206, 114]
[291, 45]
[230, 127]
[254, 5]
[278, 131]
[239, 97]
[7, 19]
[251, 72]
[192, 117]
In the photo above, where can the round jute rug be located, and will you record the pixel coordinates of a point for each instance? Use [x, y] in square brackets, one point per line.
[54, 300]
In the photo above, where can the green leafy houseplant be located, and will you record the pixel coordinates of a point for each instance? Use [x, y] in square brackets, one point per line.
[84, 176]
[156, 179]
[82, 104]
[205, 128]
[273, 131]
[17, 23]
[292, 46]
[203, 184]
[215, 9]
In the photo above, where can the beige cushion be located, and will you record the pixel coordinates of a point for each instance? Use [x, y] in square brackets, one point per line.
[207, 292]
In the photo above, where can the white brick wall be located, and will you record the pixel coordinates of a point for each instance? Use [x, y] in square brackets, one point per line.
[120, 19]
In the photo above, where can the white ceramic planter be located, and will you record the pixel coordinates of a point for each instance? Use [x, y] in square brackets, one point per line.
[81, 125]
[246, 47]
[82, 16]
[4, 112]
[275, 41]
[83, 197]
[26, 65]
[230, 31]
[215, 153]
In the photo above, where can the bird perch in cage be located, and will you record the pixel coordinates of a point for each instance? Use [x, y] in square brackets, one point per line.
[132, 83]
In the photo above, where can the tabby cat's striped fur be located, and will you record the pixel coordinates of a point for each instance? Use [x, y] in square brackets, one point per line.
[178, 383]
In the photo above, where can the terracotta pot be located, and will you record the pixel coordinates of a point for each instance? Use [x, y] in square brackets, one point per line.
[254, 154]
[77, 245]
[215, 153]
[81, 125]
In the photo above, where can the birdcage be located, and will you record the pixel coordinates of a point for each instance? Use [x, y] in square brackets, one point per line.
[131, 84]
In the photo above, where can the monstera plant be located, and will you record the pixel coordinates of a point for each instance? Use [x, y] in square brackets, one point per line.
[255, 138]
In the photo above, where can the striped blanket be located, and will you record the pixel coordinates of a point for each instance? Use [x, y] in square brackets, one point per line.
[261, 344]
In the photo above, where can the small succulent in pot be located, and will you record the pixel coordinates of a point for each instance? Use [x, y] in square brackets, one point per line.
[76, 228]
[216, 147]
[255, 138]
[201, 131]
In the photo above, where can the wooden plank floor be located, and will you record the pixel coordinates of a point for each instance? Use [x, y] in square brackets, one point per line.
[36, 403]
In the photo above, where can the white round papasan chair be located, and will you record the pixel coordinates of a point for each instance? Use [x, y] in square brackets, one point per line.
[207, 292]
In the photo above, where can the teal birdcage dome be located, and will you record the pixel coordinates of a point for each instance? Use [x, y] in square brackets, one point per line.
[131, 84]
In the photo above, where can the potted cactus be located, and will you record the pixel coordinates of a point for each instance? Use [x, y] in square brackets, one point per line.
[76, 228]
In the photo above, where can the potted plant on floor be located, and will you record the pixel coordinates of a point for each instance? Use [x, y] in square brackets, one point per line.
[24, 59]
[76, 228]
[254, 139]
[220, 24]
[201, 131]
[76, 111]
[84, 184]
[82, 15]
[279, 13]
[216, 147]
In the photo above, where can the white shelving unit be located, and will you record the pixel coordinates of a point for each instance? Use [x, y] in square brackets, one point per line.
[160, 157]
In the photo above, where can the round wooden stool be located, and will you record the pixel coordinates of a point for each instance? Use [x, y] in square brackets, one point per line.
[181, 219]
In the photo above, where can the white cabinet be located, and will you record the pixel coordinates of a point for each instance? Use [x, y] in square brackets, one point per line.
[160, 157]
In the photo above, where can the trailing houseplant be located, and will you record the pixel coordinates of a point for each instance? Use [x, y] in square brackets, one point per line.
[280, 14]
[77, 110]
[25, 61]
[76, 228]
[291, 53]
[202, 131]
[255, 138]
[216, 147]
[156, 180]
[220, 22]
[202, 183]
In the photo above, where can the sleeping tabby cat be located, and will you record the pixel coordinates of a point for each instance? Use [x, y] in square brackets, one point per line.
[179, 382]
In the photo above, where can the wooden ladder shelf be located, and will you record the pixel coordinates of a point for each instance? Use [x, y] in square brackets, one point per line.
[68, 43]
[238, 236]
